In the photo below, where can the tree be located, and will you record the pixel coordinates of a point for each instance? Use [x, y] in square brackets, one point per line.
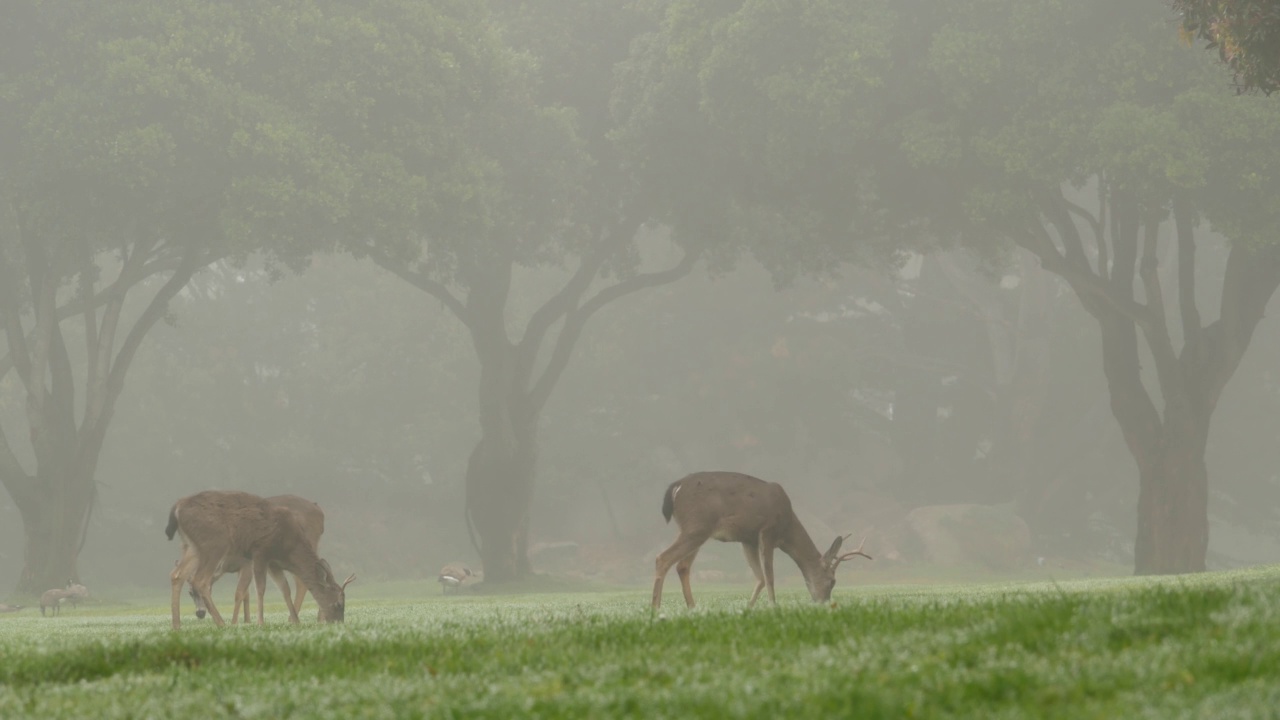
[135, 154]
[1149, 147]
[1076, 131]
[481, 144]
[1246, 34]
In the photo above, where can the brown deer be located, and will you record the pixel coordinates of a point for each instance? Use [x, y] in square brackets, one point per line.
[311, 518]
[732, 507]
[222, 530]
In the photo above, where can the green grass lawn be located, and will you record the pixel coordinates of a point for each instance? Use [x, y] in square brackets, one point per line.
[1203, 646]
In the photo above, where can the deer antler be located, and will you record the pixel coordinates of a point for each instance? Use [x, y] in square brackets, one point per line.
[852, 553]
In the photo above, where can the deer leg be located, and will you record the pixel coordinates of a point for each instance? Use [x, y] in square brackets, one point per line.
[260, 584]
[242, 595]
[682, 547]
[752, 551]
[682, 569]
[246, 574]
[195, 597]
[177, 579]
[282, 582]
[203, 583]
[302, 593]
[766, 562]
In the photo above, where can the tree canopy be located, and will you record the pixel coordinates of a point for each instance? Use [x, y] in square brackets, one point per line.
[1246, 34]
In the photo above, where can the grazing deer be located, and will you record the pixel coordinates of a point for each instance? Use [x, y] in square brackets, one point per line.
[222, 530]
[7, 608]
[312, 520]
[732, 507]
[73, 592]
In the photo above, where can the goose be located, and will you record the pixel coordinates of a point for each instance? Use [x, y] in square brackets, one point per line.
[453, 575]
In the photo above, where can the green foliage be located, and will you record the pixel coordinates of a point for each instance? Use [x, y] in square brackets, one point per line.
[1246, 34]
[1106, 648]
[749, 119]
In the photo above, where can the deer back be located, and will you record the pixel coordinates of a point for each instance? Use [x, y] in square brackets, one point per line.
[223, 524]
[732, 507]
[309, 515]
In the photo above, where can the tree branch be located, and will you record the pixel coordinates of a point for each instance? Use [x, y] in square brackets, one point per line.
[62, 391]
[1096, 226]
[1168, 372]
[563, 302]
[422, 282]
[1095, 294]
[10, 313]
[1251, 279]
[1118, 316]
[44, 304]
[1055, 207]
[93, 427]
[100, 358]
[1104, 251]
[1184, 220]
[1124, 213]
[87, 282]
[558, 306]
[11, 470]
[76, 307]
[576, 320]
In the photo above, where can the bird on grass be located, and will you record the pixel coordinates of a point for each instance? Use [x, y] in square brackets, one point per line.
[453, 575]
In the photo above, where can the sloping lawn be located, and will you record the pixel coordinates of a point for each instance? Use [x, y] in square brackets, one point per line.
[1203, 646]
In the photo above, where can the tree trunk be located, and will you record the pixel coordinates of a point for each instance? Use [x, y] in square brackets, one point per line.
[499, 490]
[501, 468]
[1173, 516]
[54, 513]
[1173, 502]
[1169, 444]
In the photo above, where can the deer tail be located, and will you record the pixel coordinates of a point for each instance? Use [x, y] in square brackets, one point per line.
[669, 500]
[172, 527]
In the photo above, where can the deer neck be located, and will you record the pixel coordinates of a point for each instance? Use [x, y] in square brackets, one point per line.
[306, 566]
[797, 544]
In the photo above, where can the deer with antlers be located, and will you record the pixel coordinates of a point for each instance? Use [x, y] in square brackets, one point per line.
[222, 530]
[732, 507]
[311, 518]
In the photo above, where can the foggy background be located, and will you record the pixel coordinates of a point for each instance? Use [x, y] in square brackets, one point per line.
[848, 329]
[866, 397]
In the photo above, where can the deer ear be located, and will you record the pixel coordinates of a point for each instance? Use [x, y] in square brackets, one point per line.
[834, 549]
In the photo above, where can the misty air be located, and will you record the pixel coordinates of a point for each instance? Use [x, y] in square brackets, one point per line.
[639, 358]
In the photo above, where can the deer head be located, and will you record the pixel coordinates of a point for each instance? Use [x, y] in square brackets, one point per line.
[820, 587]
[330, 596]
